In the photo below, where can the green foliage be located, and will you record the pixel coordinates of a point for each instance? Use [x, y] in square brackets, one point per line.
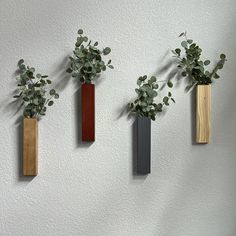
[144, 104]
[87, 60]
[191, 64]
[32, 91]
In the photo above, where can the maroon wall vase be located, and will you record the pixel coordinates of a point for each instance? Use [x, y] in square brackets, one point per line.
[88, 112]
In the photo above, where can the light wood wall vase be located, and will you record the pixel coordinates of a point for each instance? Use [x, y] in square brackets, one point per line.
[88, 112]
[203, 114]
[30, 149]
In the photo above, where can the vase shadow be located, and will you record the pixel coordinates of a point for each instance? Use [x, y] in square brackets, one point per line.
[193, 115]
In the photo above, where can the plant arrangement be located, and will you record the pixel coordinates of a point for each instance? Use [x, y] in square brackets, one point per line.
[193, 66]
[32, 91]
[87, 60]
[144, 105]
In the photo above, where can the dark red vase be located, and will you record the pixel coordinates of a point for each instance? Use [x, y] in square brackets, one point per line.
[88, 112]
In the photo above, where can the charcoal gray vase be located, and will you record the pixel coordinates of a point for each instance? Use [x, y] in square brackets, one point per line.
[143, 145]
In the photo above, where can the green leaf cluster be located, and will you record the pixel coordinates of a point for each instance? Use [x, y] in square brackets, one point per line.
[191, 64]
[87, 60]
[144, 104]
[32, 91]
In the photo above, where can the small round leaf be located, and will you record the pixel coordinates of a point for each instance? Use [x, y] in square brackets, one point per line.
[190, 41]
[80, 31]
[169, 84]
[207, 62]
[106, 51]
[52, 92]
[184, 44]
[50, 103]
[222, 56]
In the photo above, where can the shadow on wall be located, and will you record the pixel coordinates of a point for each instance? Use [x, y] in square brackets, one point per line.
[170, 71]
[193, 116]
[63, 78]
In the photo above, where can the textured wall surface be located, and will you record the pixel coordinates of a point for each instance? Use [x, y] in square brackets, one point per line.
[90, 189]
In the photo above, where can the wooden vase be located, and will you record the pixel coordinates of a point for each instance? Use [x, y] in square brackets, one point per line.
[203, 114]
[143, 145]
[30, 147]
[88, 112]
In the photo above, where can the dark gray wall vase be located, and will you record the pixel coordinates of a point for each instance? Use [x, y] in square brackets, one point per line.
[143, 145]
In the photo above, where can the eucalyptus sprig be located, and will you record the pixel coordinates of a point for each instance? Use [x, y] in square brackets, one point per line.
[87, 60]
[32, 91]
[192, 66]
[144, 104]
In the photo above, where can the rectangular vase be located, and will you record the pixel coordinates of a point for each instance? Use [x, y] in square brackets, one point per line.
[203, 114]
[143, 145]
[88, 112]
[30, 147]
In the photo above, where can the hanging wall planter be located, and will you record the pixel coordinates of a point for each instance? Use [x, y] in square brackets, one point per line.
[145, 109]
[203, 114]
[86, 64]
[32, 93]
[143, 145]
[196, 71]
[30, 148]
[88, 112]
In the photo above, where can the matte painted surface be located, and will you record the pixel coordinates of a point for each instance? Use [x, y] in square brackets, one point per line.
[90, 190]
[143, 145]
[88, 112]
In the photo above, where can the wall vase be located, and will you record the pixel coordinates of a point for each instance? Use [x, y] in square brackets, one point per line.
[143, 145]
[30, 147]
[88, 112]
[203, 114]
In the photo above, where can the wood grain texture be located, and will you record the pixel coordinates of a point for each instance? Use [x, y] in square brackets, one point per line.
[30, 149]
[88, 112]
[203, 114]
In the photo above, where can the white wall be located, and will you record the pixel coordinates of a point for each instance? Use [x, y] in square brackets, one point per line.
[90, 190]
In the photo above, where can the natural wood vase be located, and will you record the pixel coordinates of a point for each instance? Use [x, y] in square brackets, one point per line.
[88, 112]
[203, 114]
[30, 149]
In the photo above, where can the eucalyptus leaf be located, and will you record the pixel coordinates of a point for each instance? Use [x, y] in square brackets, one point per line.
[106, 51]
[50, 103]
[80, 31]
[52, 92]
[207, 62]
[33, 91]
[144, 105]
[222, 56]
[87, 61]
[189, 41]
[184, 44]
[192, 66]
[169, 84]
